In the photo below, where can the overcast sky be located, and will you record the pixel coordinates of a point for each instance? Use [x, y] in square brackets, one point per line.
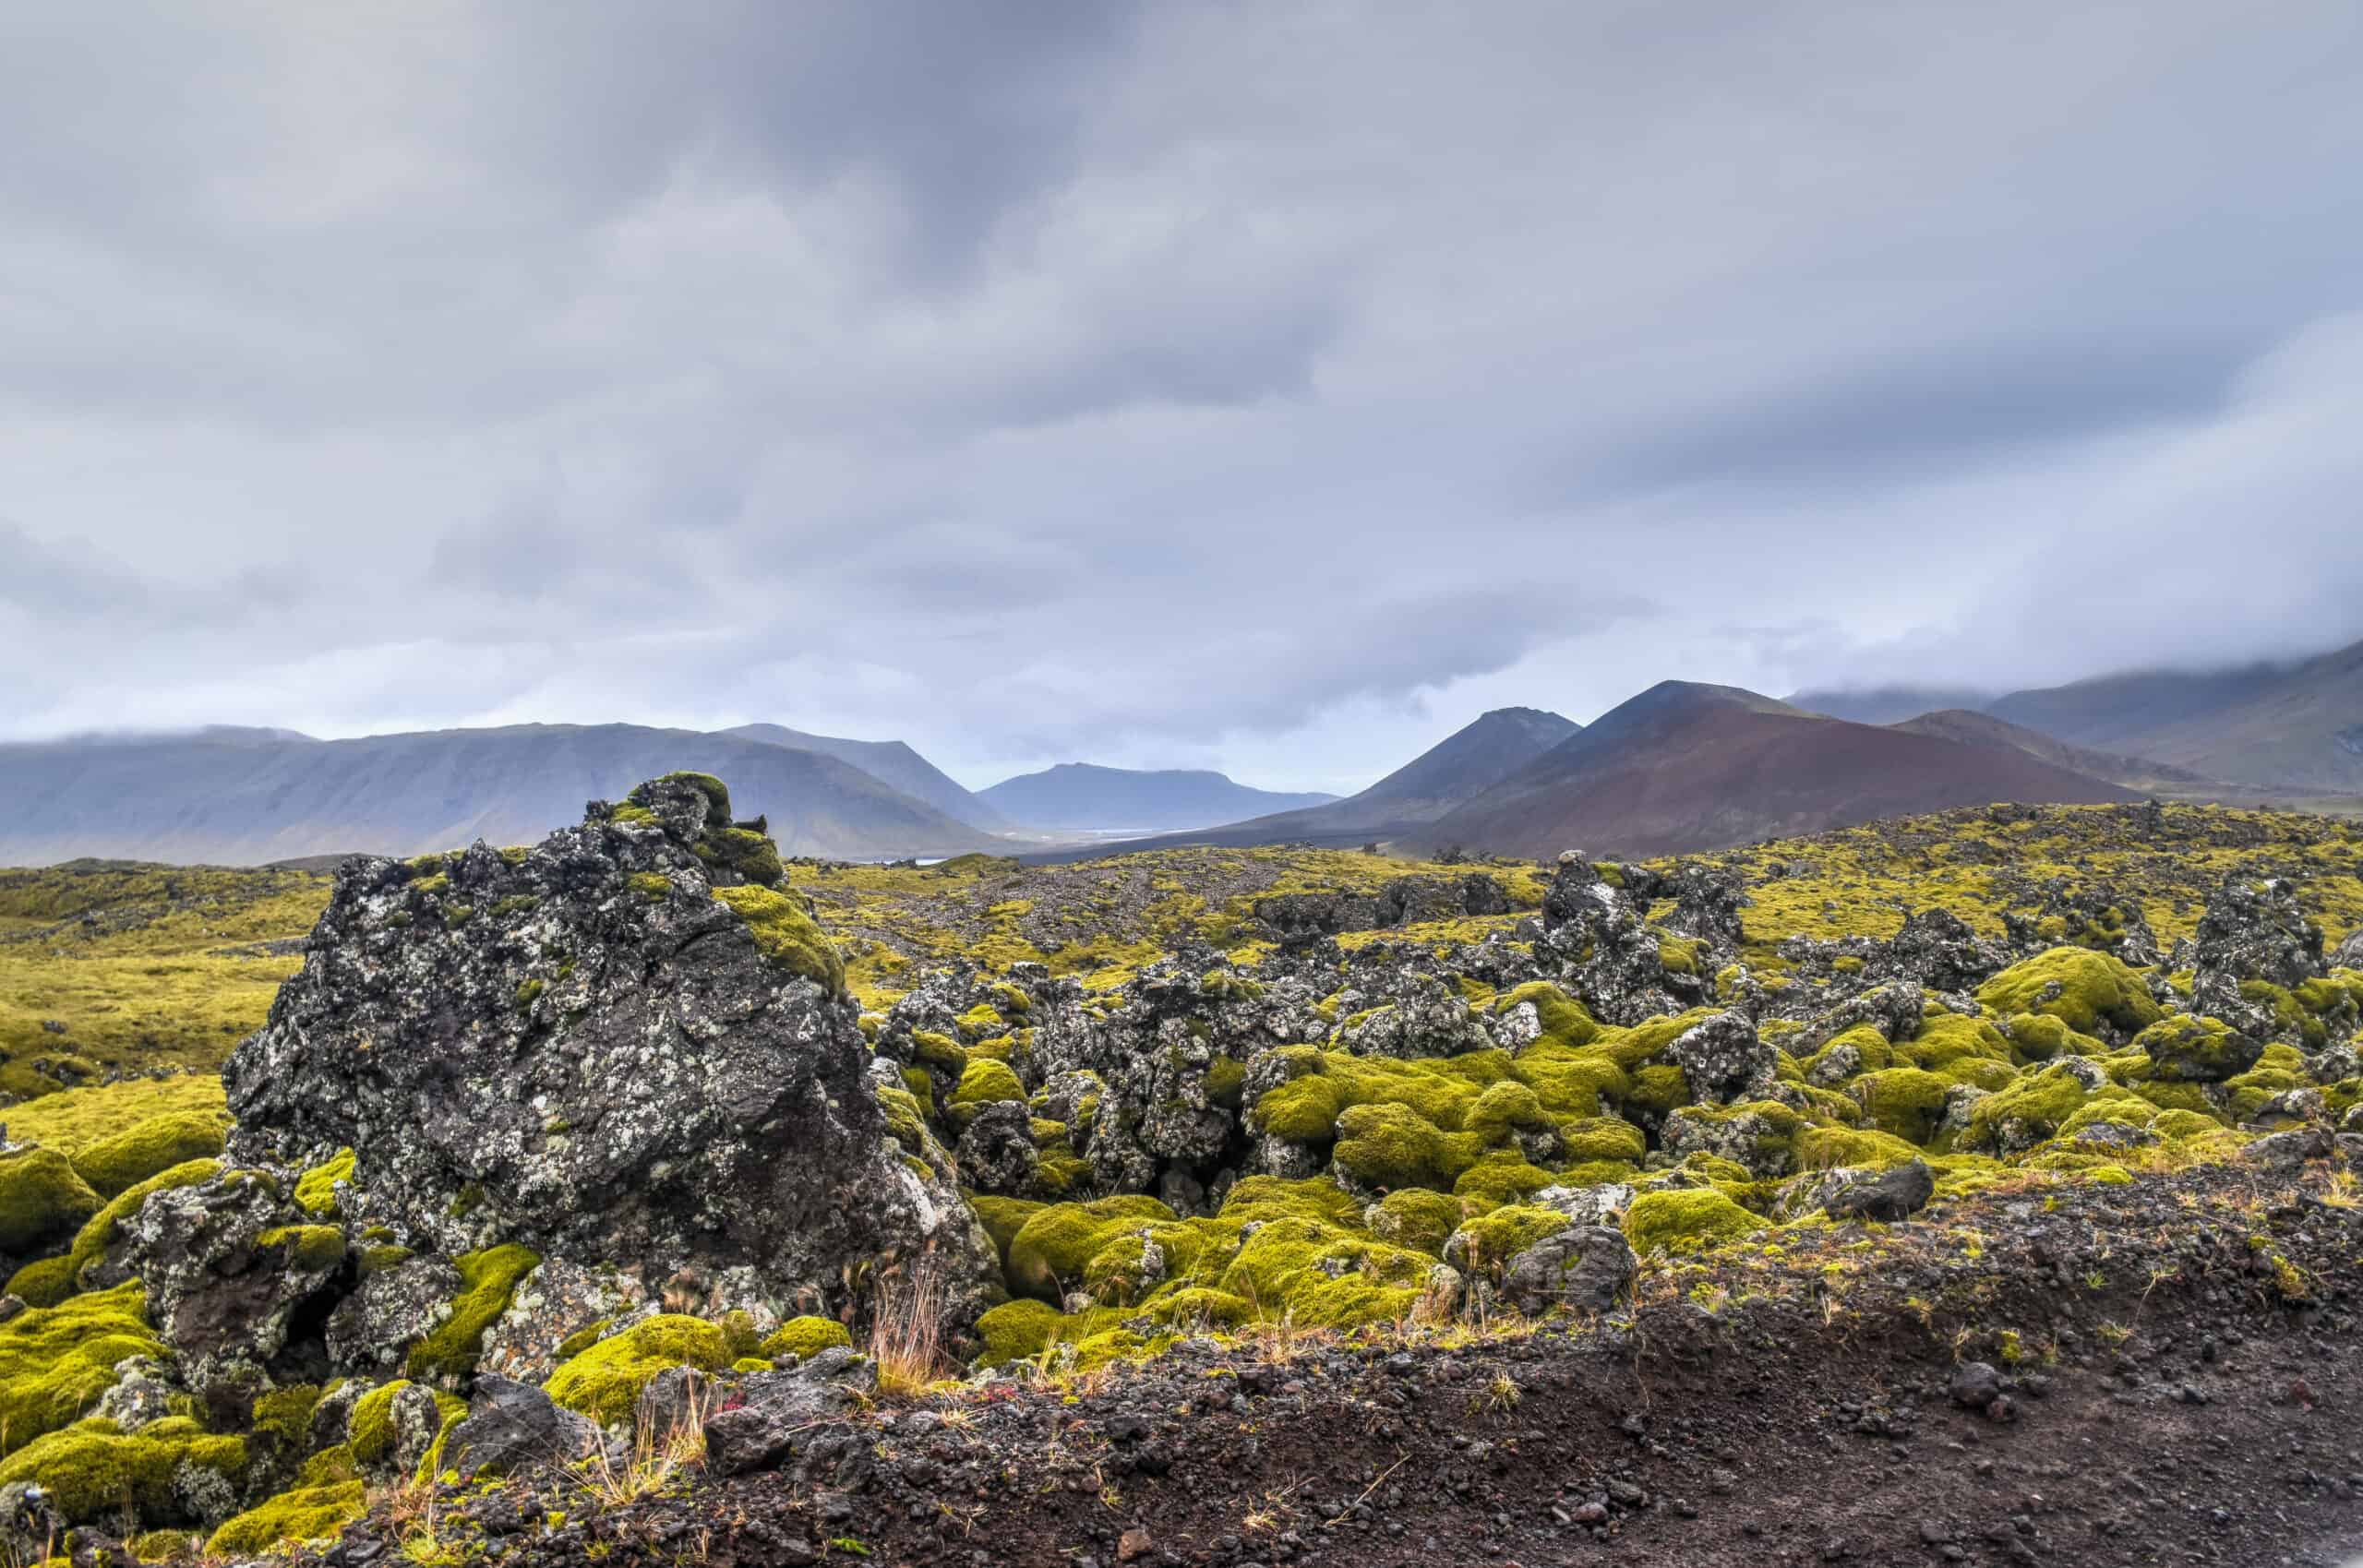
[1272, 386]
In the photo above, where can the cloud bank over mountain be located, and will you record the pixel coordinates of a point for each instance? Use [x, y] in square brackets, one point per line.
[1265, 388]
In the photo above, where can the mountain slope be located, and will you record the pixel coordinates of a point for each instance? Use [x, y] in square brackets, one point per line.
[891, 762]
[1984, 729]
[1686, 767]
[1084, 798]
[2296, 727]
[1460, 767]
[244, 801]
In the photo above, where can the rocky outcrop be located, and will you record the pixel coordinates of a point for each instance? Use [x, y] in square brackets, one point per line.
[620, 1046]
[1610, 957]
[1299, 919]
[1938, 950]
[2253, 931]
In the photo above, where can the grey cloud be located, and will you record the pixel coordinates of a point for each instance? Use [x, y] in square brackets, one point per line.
[1260, 385]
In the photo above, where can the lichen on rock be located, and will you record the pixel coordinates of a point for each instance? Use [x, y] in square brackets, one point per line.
[686, 1095]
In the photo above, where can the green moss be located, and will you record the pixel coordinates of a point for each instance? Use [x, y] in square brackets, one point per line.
[1228, 985]
[43, 1200]
[1565, 1020]
[906, 1120]
[1824, 1148]
[43, 1283]
[1678, 955]
[984, 1081]
[158, 1143]
[2184, 1050]
[1602, 1138]
[581, 1339]
[2040, 1037]
[1226, 1077]
[1905, 1102]
[326, 1497]
[982, 1021]
[1416, 1219]
[1017, 1331]
[1491, 1240]
[603, 1381]
[939, 1054]
[1685, 1221]
[787, 935]
[311, 1248]
[1054, 1245]
[55, 1362]
[630, 816]
[369, 1429]
[94, 1471]
[1002, 1218]
[806, 1336]
[1386, 1147]
[2083, 989]
[716, 793]
[487, 1279]
[284, 1414]
[749, 854]
[316, 1188]
[2031, 1110]
[1505, 1177]
[528, 993]
[90, 1241]
[654, 887]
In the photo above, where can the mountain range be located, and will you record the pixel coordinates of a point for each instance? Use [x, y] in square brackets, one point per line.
[243, 797]
[1685, 766]
[1084, 797]
[1682, 766]
[2288, 728]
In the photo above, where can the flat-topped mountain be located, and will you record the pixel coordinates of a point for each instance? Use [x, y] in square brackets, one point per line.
[1084, 797]
[247, 799]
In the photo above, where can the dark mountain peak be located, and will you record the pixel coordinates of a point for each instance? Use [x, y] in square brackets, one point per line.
[1687, 766]
[1486, 749]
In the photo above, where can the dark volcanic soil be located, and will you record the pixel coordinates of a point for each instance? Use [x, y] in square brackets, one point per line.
[2179, 1381]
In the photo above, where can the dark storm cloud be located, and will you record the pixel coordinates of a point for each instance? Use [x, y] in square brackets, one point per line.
[1271, 387]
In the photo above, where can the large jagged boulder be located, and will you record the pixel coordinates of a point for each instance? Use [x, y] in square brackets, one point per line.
[626, 1045]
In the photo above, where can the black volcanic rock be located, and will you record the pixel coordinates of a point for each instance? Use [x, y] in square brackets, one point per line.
[611, 1048]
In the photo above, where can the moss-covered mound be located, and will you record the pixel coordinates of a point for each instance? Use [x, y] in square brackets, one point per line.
[604, 1381]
